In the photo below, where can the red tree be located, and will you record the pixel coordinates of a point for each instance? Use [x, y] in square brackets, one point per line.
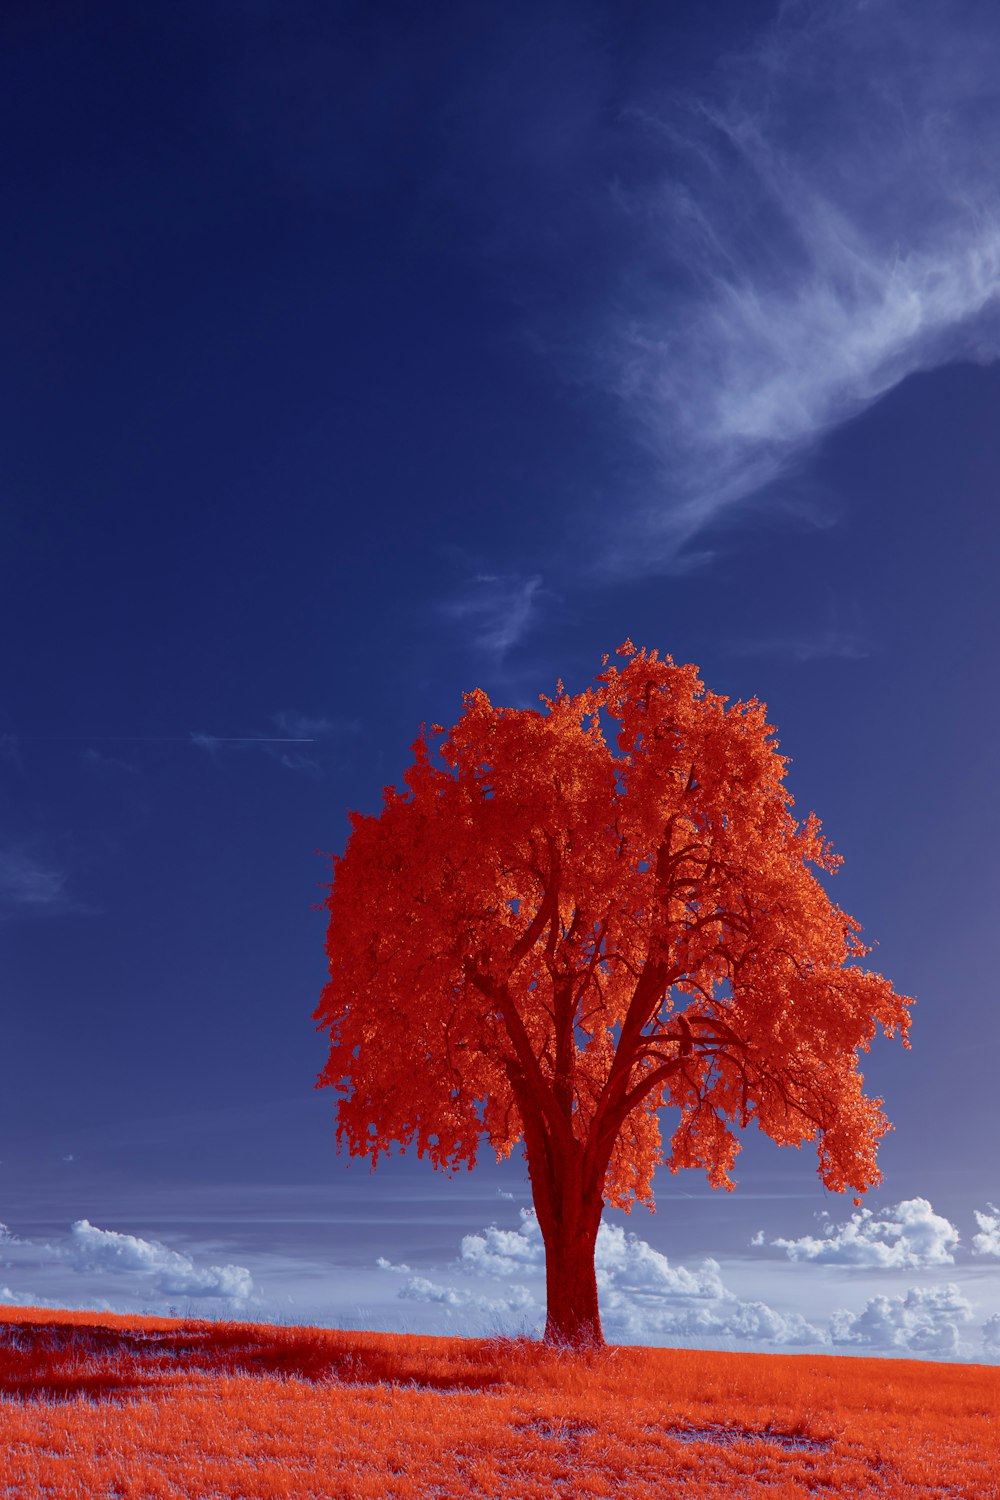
[543, 939]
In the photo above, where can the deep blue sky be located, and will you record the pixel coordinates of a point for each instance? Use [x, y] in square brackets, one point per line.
[357, 356]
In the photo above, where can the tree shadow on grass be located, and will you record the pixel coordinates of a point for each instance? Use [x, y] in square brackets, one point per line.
[92, 1361]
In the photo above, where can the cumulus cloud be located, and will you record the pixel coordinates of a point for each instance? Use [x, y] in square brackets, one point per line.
[630, 1265]
[387, 1265]
[908, 1234]
[820, 223]
[925, 1320]
[642, 1295]
[168, 1271]
[9, 1298]
[622, 1260]
[421, 1289]
[727, 1317]
[90, 1266]
[987, 1241]
[505, 1252]
[991, 1333]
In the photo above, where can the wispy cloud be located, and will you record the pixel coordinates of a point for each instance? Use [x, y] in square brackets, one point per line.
[215, 742]
[841, 638]
[33, 884]
[496, 610]
[29, 883]
[824, 222]
[298, 730]
[827, 645]
[107, 763]
[301, 726]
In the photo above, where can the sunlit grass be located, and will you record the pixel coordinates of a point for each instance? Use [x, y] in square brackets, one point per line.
[96, 1404]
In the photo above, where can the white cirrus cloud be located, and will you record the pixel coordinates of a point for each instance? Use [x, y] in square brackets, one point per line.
[820, 223]
[987, 1241]
[282, 748]
[33, 884]
[308, 727]
[841, 638]
[924, 1320]
[168, 1271]
[496, 610]
[909, 1234]
[107, 764]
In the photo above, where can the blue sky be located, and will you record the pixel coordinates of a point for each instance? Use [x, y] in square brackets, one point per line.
[360, 356]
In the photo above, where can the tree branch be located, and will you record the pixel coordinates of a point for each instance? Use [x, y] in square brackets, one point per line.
[526, 1062]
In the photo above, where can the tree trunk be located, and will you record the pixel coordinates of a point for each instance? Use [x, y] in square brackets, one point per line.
[569, 1215]
[572, 1313]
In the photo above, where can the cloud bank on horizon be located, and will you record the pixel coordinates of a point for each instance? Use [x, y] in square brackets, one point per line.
[821, 225]
[96, 1259]
[497, 1283]
[646, 1299]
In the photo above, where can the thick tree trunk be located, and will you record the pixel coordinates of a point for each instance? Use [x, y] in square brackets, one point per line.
[571, 1310]
[572, 1313]
[569, 1215]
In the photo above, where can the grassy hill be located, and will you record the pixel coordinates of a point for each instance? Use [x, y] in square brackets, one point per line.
[99, 1405]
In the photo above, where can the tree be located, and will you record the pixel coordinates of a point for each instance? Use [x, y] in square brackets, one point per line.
[544, 938]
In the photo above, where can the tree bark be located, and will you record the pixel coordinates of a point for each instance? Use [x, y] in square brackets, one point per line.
[572, 1312]
[568, 1205]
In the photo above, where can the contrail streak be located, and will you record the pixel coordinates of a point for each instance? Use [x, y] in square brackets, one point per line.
[217, 739]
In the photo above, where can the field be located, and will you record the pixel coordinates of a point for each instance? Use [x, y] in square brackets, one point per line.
[98, 1405]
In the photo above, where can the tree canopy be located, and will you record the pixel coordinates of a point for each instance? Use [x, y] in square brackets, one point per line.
[573, 917]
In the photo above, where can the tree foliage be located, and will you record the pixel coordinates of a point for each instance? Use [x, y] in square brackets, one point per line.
[574, 916]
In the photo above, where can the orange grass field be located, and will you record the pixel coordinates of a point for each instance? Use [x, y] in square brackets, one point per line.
[96, 1404]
